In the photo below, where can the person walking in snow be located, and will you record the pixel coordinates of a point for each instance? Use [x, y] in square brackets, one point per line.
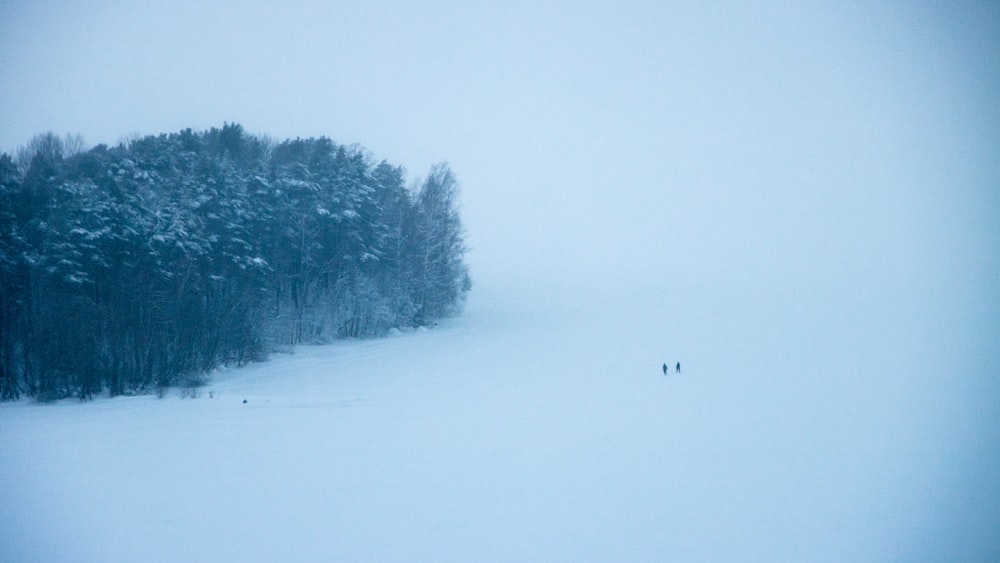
[665, 368]
[678, 367]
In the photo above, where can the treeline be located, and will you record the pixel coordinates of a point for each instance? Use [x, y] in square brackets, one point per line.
[141, 266]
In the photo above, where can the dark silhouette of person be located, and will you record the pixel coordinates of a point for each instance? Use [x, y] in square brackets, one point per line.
[665, 369]
[678, 367]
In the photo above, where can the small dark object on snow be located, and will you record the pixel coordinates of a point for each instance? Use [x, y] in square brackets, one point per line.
[244, 401]
[665, 369]
[678, 367]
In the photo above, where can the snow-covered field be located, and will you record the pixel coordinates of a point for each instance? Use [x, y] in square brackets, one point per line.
[539, 427]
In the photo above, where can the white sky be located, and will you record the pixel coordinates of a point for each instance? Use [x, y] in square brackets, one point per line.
[617, 139]
[836, 164]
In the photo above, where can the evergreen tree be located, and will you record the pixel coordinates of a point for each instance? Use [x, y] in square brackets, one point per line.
[144, 265]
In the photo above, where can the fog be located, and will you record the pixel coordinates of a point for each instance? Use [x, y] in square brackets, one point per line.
[828, 175]
[638, 140]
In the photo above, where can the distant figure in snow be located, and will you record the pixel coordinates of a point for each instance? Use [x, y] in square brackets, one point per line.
[678, 367]
[666, 370]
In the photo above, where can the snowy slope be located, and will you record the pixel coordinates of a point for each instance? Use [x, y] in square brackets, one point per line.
[536, 427]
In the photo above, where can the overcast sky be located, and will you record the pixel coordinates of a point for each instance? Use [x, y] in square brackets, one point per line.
[792, 141]
[834, 166]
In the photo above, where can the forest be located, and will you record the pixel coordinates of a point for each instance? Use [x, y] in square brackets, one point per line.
[144, 266]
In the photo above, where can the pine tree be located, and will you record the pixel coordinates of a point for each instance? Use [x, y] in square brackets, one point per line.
[144, 265]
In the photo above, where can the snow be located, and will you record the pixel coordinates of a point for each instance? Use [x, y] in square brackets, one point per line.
[824, 177]
[535, 427]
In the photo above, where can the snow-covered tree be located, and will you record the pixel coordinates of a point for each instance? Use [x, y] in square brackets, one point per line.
[440, 278]
[143, 265]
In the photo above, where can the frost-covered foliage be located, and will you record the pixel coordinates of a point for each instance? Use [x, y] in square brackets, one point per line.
[132, 267]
